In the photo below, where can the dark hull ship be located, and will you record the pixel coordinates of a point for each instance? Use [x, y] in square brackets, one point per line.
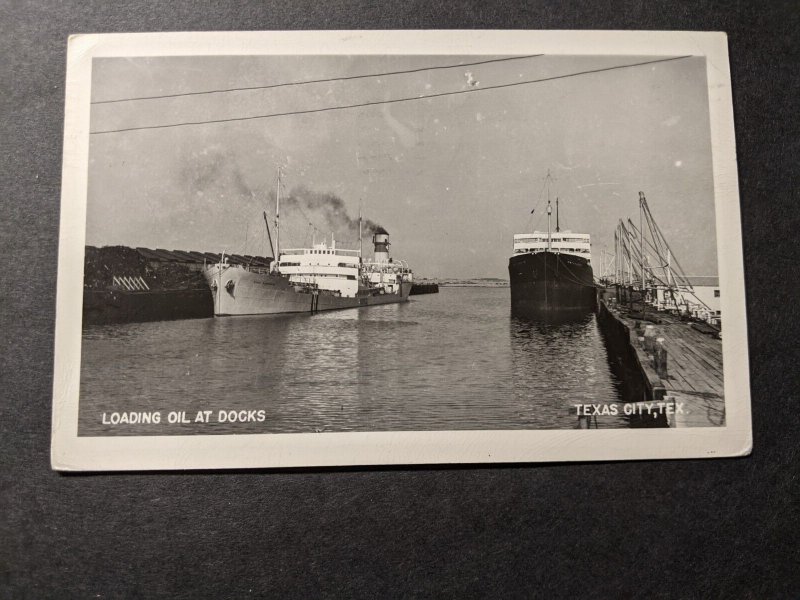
[546, 282]
[551, 272]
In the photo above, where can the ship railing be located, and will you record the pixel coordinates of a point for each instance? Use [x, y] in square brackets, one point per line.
[259, 270]
[396, 266]
[539, 236]
[226, 265]
[340, 251]
[553, 248]
[553, 244]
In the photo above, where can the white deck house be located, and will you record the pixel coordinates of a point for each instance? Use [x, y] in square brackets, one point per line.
[561, 242]
[323, 267]
[329, 268]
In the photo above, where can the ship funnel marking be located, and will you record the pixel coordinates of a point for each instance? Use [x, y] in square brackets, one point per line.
[381, 241]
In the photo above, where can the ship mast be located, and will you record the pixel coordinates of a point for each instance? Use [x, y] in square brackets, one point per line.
[278, 219]
[641, 242]
[360, 235]
[269, 235]
[557, 227]
[549, 235]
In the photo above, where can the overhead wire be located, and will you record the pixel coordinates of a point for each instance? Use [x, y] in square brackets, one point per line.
[312, 81]
[389, 101]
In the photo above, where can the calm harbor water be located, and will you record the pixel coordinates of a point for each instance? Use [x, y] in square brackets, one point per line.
[453, 360]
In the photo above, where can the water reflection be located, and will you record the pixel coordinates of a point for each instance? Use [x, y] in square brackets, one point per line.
[319, 376]
[559, 361]
[551, 317]
[382, 372]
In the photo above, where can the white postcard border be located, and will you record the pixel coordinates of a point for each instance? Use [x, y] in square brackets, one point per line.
[72, 453]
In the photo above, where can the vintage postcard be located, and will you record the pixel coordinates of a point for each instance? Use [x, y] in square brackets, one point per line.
[284, 249]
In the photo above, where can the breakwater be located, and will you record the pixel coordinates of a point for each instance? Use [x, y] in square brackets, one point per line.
[127, 285]
[102, 307]
[424, 288]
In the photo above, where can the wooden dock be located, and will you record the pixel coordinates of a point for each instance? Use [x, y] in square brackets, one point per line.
[693, 384]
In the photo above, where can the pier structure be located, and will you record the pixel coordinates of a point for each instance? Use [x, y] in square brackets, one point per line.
[662, 327]
[665, 359]
[648, 276]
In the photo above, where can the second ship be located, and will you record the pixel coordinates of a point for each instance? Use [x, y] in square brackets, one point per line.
[551, 272]
[322, 277]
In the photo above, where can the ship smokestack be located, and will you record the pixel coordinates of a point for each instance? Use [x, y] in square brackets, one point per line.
[381, 241]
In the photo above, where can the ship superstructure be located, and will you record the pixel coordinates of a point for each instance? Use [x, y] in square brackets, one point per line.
[562, 242]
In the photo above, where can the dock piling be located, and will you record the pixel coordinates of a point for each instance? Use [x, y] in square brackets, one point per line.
[660, 358]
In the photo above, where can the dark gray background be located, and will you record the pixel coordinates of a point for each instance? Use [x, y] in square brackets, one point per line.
[716, 528]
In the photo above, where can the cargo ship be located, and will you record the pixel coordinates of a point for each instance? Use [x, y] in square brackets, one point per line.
[551, 272]
[322, 277]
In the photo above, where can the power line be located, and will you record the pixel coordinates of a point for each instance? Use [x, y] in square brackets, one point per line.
[392, 101]
[310, 81]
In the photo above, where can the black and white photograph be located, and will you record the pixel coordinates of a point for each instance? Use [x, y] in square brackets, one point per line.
[319, 249]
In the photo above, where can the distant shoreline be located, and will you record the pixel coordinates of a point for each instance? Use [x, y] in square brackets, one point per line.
[487, 283]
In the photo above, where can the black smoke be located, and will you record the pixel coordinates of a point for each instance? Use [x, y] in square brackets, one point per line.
[326, 209]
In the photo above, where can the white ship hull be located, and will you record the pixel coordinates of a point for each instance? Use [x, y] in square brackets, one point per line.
[238, 291]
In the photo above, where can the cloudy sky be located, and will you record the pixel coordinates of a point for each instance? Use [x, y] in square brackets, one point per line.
[451, 178]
